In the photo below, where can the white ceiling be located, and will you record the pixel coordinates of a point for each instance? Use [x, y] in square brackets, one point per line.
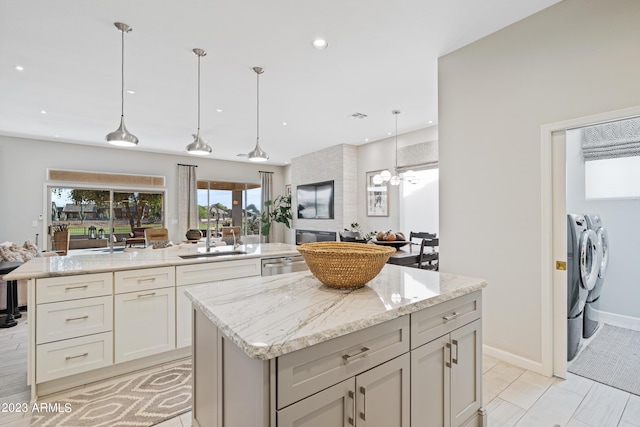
[382, 56]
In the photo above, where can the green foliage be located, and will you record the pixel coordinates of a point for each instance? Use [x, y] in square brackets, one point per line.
[276, 210]
[357, 228]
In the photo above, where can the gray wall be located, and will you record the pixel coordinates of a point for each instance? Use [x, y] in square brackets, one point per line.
[576, 58]
[23, 165]
[621, 292]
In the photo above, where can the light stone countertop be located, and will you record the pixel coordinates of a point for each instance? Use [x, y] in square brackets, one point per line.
[104, 262]
[271, 316]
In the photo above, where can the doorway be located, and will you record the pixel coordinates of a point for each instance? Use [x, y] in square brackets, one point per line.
[554, 229]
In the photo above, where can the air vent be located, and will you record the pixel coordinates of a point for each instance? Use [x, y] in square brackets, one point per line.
[359, 116]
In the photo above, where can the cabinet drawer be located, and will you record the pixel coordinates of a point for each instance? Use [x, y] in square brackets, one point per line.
[144, 279]
[433, 322]
[212, 271]
[315, 368]
[70, 319]
[52, 289]
[62, 358]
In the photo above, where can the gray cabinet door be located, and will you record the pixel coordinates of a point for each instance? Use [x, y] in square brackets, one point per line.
[383, 393]
[334, 406]
[466, 372]
[430, 384]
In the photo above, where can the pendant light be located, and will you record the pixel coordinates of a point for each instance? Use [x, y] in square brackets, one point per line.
[121, 136]
[257, 155]
[198, 147]
[385, 175]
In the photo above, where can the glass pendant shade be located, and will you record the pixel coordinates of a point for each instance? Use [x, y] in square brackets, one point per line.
[257, 154]
[121, 136]
[377, 179]
[385, 175]
[198, 147]
[395, 180]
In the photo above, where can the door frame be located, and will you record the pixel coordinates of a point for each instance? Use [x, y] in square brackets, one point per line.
[554, 357]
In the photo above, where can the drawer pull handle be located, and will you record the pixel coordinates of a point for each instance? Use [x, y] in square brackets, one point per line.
[150, 294]
[363, 414]
[76, 357]
[349, 357]
[86, 316]
[447, 357]
[68, 288]
[148, 279]
[351, 419]
[452, 316]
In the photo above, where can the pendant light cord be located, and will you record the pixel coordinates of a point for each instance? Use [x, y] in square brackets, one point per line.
[122, 79]
[396, 152]
[198, 95]
[257, 108]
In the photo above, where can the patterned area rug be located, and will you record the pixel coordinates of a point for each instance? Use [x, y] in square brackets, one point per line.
[144, 400]
[612, 358]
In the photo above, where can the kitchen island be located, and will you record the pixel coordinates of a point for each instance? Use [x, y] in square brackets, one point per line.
[405, 350]
[92, 317]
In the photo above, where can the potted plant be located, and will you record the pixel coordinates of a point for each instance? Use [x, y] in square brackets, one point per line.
[356, 234]
[276, 210]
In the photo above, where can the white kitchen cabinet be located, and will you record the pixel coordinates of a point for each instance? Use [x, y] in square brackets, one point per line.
[446, 374]
[377, 397]
[195, 274]
[144, 323]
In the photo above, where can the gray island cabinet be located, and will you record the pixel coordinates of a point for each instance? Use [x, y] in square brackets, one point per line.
[287, 351]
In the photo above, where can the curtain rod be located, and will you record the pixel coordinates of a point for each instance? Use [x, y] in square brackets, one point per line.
[182, 164]
[265, 172]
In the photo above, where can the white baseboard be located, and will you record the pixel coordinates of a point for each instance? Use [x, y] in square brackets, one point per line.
[619, 320]
[514, 359]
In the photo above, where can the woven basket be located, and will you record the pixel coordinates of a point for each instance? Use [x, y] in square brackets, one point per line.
[345, 265]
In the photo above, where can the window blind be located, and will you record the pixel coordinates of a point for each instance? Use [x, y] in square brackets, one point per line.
[612, 140]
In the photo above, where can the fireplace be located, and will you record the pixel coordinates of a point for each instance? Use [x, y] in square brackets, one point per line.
[309, 236]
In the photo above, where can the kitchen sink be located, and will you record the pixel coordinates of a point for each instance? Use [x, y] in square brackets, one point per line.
[212, 254]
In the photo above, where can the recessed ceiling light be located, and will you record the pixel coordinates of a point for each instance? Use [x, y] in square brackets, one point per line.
[56, 136]
[19, 68]
[320, 44]
[366, 140]
[131, 91]
[219, 110]
[43, 112]
[389, 133]
[284, 123]
[430, 121]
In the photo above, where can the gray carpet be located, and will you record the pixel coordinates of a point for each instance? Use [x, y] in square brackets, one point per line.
[612, 358]
[141, 401]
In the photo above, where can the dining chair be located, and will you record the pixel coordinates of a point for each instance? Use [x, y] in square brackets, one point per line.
[429, 256]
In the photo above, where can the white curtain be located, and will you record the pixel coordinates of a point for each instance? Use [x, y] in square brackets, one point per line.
[266, 183]
[187, 197]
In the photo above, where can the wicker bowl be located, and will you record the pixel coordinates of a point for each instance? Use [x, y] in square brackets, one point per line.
[345, 265]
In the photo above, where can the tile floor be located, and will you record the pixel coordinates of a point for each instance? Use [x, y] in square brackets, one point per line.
[512, 396]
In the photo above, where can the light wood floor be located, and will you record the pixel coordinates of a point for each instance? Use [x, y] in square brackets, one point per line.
[512, 396]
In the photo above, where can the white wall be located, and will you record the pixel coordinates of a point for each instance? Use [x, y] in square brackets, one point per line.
[23, 164]
[576, 58]
[621, 292]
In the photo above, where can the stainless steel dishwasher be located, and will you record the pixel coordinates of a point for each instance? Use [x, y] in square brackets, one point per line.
[284, 264]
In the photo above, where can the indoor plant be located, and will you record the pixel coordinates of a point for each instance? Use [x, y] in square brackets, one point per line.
[276, 210]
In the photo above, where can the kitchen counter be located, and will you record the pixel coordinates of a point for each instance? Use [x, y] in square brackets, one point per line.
[118, 261]
[271, 316]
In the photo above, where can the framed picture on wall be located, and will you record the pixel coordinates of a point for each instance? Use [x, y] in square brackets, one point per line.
[377, 196]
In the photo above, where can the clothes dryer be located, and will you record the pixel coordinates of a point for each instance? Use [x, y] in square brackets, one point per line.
[591, 318]
[582, 272]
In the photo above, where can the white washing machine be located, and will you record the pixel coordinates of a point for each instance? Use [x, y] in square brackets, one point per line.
[583, 264]
[591, 319]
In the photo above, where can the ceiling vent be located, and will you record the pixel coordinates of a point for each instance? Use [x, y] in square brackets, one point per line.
[359, 116]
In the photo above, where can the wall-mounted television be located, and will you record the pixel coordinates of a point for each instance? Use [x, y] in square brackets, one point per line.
[315, 201]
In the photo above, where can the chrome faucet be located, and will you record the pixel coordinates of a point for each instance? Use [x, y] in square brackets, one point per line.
[235, 242]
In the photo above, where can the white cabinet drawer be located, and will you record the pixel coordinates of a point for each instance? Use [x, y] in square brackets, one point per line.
[52, 289]
[144, 323]
[62, 358]
[70, 319]
[433, 322]
[315, 368]
[144, 279]
[213, 271]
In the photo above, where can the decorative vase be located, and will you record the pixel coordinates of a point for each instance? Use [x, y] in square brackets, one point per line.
[194, 234]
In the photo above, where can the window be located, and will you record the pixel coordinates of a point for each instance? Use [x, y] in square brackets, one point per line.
[229, 204]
